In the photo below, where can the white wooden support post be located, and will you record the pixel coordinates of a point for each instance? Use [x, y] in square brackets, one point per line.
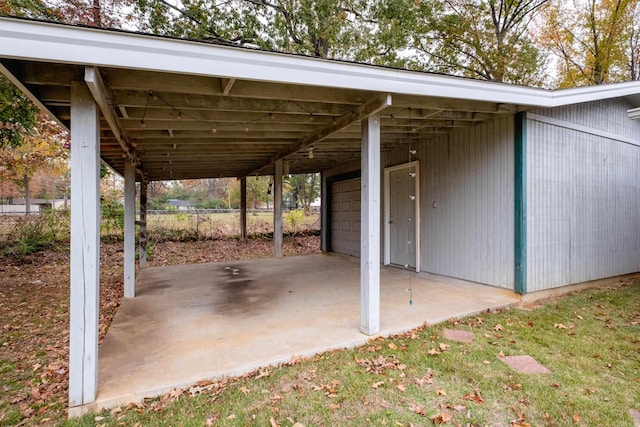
[277, 209]
[142, 250]
[129, 230]
[85, 246]
[370, 227]
[243, 208]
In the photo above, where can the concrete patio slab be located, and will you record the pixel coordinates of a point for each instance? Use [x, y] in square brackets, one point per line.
[204, 321]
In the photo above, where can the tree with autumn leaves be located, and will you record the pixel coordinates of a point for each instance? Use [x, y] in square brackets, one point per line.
[43, 149]
[563, 43]
[595, 41]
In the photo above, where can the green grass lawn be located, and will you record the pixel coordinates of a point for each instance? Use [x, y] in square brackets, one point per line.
[590, 341]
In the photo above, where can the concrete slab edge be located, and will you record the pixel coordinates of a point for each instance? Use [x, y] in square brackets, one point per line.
[100, 405]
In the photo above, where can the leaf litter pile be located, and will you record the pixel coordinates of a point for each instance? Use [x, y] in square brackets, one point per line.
[590, 342]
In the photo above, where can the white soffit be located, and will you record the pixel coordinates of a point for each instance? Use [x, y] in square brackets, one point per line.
[56, 43]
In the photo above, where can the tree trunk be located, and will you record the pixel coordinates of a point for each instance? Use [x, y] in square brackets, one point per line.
[27, 195]
[97, 19]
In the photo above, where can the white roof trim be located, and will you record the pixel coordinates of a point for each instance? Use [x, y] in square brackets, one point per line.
[49, 42]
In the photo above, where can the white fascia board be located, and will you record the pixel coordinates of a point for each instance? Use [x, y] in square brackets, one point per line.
[50, 42]
[562, 97]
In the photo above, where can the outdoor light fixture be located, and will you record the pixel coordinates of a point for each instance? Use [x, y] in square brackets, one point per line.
[213, 129]
[310, 152]
[270, 188]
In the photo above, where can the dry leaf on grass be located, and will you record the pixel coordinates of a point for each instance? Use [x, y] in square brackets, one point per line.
[379, 365]
[427, 379]
[417, 408]
[442, 418]
[474, 396]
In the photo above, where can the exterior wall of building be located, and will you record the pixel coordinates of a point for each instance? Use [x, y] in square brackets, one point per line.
[583, 194]
[467, 195]
[467, 199]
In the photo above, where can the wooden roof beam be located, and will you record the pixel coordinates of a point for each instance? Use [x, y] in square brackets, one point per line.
[226, 85]
[365, 110]
[102, 95]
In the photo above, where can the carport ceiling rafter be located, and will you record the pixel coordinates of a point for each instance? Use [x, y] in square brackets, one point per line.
[183, 126]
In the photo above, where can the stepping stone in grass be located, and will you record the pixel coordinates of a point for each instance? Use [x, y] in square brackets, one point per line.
[635, 414]
[525, 364]
[457, 335]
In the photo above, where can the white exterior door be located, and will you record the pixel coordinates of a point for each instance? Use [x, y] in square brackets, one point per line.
[402, 216]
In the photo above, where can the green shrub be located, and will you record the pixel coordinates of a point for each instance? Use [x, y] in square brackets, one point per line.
[33, 233]
[294, 218]
[112, 224]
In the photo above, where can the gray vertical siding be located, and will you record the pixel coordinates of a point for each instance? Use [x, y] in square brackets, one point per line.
[469, 176]
[583, 194]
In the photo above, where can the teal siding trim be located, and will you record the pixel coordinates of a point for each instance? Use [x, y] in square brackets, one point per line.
[520, 140]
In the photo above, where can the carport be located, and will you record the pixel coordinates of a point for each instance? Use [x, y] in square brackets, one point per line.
[194, 322]
[156, 108]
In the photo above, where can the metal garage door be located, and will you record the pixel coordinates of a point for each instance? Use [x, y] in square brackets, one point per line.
[345, 217]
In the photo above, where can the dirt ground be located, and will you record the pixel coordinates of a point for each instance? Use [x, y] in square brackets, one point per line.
[34, 315]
